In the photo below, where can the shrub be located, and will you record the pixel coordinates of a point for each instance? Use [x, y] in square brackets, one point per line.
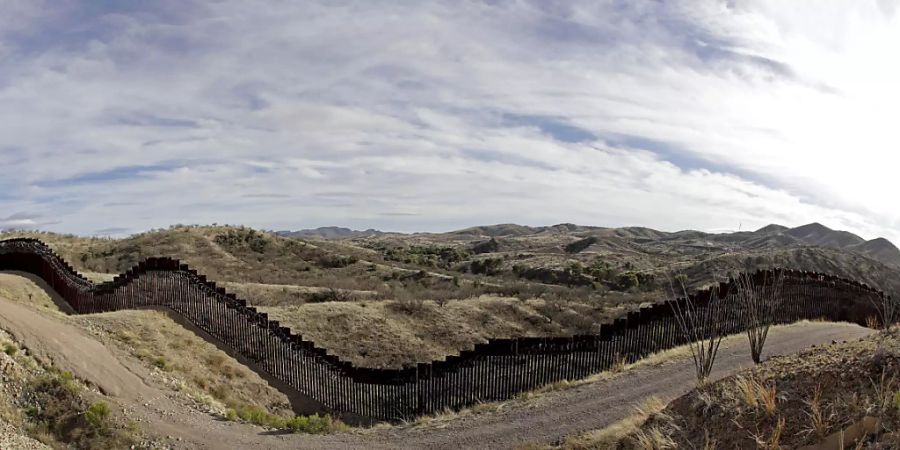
[56, 418]
[252, 239]
[554, 276]
[314, 424]
[255, 415]
[627, 281]
[487, 266]
[489, 246]
[409, 304]
[580, 245]
[575, 269]
[161, 363]
[10, 349]
[330, 295]
[336, 261]
[97, 414]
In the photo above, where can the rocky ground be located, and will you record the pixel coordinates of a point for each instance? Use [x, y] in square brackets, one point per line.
[13, 378]
[825, 393]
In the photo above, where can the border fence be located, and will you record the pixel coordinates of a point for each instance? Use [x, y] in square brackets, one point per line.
[494, 370]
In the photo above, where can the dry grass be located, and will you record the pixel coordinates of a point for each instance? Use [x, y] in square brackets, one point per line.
[821, 393]
[613, 436]
[653, 438]
[619, 363]
[819, 418]
[774, 442]
[381, 334]
[40, 405]
[22, 288]
[658, 358]
[188, 362]
[262, 294]
[757, 395]
[242, 255]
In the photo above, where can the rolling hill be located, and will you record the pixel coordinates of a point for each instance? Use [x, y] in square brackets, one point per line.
[399, 292]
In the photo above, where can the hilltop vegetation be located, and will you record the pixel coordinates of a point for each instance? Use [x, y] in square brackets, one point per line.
[417, 297]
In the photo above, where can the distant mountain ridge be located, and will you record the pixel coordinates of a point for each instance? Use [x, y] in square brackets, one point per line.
[330, 233]
[774, 235]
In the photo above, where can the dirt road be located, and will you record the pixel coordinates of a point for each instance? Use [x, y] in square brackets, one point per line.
[547, 419]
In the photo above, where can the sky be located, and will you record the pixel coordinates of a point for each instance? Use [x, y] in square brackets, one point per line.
[122, 116]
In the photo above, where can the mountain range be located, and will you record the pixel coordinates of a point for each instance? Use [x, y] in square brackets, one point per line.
[814, 234]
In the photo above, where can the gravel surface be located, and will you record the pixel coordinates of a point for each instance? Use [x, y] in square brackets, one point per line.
[548, 419]
[11, 438]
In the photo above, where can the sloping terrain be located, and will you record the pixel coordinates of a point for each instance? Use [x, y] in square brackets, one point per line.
[176, 357]
[818, 396]
[133, 356]
[390, 299]
[173, 420]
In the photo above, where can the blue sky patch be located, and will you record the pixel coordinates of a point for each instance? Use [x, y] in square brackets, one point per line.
[555, 128]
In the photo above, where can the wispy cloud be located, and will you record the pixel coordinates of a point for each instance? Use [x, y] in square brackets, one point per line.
[23, 221]
[684, 114]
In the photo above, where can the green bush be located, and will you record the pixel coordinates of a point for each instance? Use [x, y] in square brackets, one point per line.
[97, 414]
[336, 261]
[627, 281]
[575, 269]
[57, 418]
[244, 238]
[10, 349]
[487, 266]
[255, 415]
[580, 245]
[489, 246]
[314, 424]
[161, 363]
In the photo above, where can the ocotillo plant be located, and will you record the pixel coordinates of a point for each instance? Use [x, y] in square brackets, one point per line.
[888, 308]
[702, 322]
[759, 296]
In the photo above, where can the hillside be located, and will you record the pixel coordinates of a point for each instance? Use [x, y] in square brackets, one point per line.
[576, 255]
[385, 300]
[845, 392]
[329, 233]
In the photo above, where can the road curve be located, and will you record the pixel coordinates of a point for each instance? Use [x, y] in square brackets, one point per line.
[557, 415]
[547, 419]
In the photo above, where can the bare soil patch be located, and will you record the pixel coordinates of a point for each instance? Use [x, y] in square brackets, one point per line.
[794, 401]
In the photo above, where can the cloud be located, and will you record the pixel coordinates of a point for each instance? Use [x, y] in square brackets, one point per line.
[23, 221]
[684, 114]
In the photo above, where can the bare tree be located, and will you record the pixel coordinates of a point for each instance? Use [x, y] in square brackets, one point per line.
[702, 322]
[760, 299]
[887, 308]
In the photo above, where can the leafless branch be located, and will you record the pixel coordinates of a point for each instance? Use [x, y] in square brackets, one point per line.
[702, 322]
[759, 295]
